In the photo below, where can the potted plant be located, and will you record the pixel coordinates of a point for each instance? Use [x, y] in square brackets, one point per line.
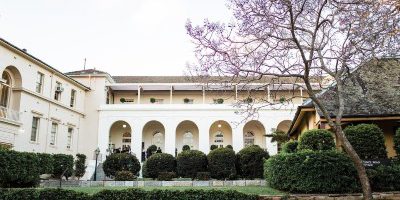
[122, 100]
[152, 100]
[282, 99]
[249, 100]
[186, 100]
[220, 101]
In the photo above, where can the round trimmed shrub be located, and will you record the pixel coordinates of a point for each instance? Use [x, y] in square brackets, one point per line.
[46, 163]
[290, 146]
[229, 146]
[166, 176]
[385, 177]
[63, 165]
[213, 146]
[221, 163]
[312, 172]
[80, 166]
[152, 149]
[185, 147]
[124, 176]
[121, 162]
[250, 162]
[396, 141]
[316, 140]
[367, 140]
[190, 162]
[159, 162]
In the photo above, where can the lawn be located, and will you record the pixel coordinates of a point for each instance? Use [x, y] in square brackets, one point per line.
[258, 190]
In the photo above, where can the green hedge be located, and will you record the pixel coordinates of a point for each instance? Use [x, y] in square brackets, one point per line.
[19, 169]
[221, 163]
[125, 194]
[121, 162]
[396, 141]
[159, 162]
[80, 167]
[312, 172]
[250, 162]
[124, 176]
[385, 178]
[367, 140]
[46, 163]
[189, 162]
[63, 163]
[316, 140]
[290, 147]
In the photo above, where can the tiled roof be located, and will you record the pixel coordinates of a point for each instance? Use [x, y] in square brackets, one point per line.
[85, 72]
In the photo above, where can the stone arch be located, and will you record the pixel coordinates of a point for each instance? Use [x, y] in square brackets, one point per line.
[120, 136]
[220, 133]
[184, 130]
[254, 134]
[153, 134]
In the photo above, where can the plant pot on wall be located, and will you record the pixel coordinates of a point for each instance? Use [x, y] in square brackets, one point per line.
[122, 100]
[220, 101]
[152, 100]
[186, 100]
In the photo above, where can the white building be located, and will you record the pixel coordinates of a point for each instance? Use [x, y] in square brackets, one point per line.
[44, 110]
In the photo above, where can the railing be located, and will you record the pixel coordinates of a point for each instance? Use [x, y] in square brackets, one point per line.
[9, 114]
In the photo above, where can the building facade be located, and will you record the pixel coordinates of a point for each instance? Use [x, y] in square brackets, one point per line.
[45, 110]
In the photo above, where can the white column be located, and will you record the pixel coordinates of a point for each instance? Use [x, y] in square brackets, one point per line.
[139, 90]
[301, 95]
[103, 136]
[272, 147]
[204, 135]
[170, 94]
[236, 94]
[237, 137]
[204, 95]
[136, 137]
[269, 95]
[170, 137]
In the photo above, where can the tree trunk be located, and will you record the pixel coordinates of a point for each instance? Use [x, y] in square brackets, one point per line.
[362, 173]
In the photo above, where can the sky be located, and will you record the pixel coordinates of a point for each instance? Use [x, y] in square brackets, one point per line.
[121, 37]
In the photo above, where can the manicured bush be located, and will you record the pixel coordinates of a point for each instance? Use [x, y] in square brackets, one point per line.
[203, 176]
[185, 147]
[250, 162]
[396, 141]
[312, 172]
[316, 140]
[121, 162]
[63, 165]
[124, 176]
[20, 194]
[59, 194]
[46, 163]
[385, 178]
[80, 166]
[19, 169]
[213, 146]
[188, 163]
[152, 149]
[159, 162]
[367, 140]
[290, 147]
[229, 146]
[221, 163]
[166, 176]
[126, 194]
[199, 195]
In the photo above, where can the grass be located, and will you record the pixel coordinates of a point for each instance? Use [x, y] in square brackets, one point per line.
[257, 190]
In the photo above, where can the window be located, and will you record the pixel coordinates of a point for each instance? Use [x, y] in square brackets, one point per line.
[58, 91]
[35, 129]
[53, 134]
[73, 97]
[39, 82]
[219, 139]
[248, 139]
[69, 137]
[5, 89]
[188, 139]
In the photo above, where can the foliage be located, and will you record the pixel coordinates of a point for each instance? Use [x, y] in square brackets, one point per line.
[221, 163]
[316, 140]
[396, 141]
[43, 194]
[203, 176]
[124, 175]
[367, 140]
[185, 147]
[151, 150]
[46, 163]
[279, 137]
[385, 178]
[219, 101]
[63, 165]
[152, 100]
[122, 100]
[250, 162]
[159, 162]
[186, 100]
[166, 176]
[80, 166]
[121, 162]
[290, 146]
[229, 146]
[190, 162]
[19, 169]
[213, 146]
[311, 172]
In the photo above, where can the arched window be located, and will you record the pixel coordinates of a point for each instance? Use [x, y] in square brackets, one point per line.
[5, 89]
[248, 138]
[219, 138]
[158, 139]
[188, 139]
